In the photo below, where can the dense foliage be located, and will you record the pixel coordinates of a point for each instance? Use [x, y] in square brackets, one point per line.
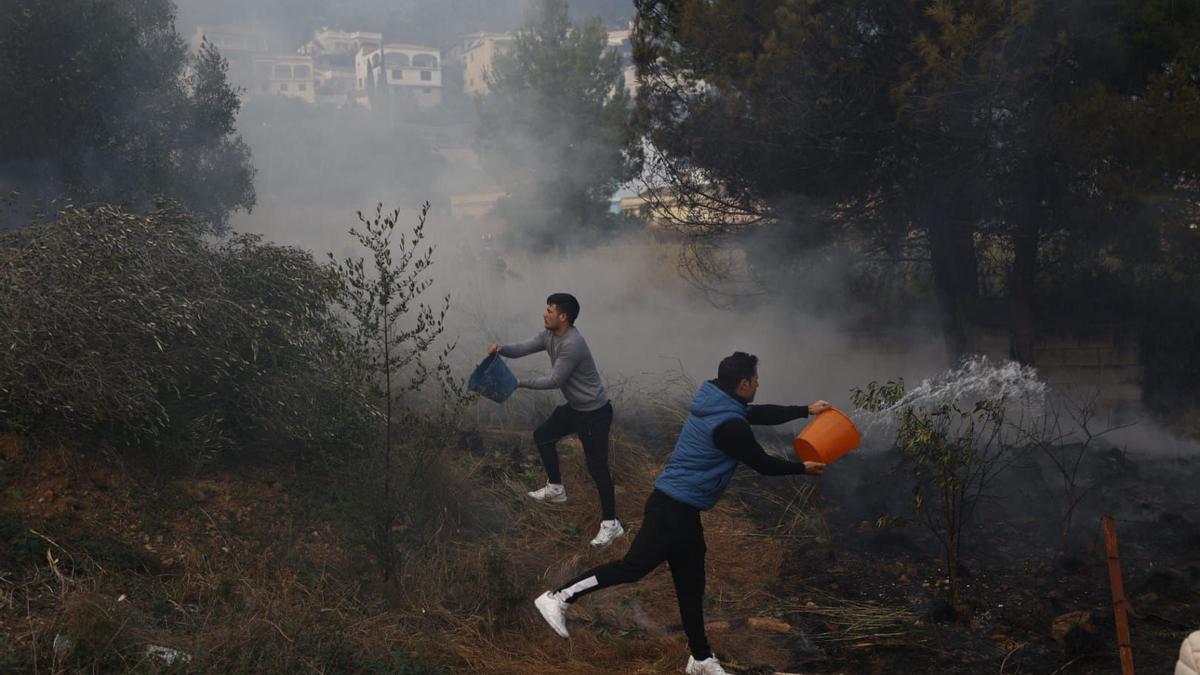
[103, 102]
[1029, 154]
[137, 326]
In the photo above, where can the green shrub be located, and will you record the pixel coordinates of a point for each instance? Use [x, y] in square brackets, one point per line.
[139, 325]
[951, 440]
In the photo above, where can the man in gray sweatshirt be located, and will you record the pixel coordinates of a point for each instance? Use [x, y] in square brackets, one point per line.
[587, 411]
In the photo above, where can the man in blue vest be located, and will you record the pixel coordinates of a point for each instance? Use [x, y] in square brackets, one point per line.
[714, 439]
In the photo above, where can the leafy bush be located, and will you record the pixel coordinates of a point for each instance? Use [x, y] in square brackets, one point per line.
[138, 325]
[951, 437]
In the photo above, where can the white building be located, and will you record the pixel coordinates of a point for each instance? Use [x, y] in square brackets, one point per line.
[289, 75]
[621, 40]
[476, 54]
[399, 71]
[333, 54]
[478, 51]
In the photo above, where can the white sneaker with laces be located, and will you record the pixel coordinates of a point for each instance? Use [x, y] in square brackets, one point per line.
[709, 666]
[550, 493]
[554, 611]
[609, 530]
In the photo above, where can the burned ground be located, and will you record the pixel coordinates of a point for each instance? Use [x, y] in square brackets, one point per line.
[1035, 605]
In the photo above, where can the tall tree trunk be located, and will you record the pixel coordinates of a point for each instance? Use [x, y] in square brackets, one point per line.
[955, 277]
[1022, 289]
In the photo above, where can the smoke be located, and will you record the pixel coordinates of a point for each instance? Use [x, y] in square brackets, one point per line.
[318, 165]
[1145, 435]
[640, 317]
[644, 322]
[641, 320]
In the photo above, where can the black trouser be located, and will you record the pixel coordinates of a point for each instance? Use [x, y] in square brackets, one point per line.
[671, 532]
[592, 427]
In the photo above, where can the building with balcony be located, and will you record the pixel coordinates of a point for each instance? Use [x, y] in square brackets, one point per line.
[289, 75]
[476, 54]
[400, 72]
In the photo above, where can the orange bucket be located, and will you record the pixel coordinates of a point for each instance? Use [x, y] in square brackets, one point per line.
[830, 435]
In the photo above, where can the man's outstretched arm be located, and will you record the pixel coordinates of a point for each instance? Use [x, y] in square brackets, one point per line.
[770, 415]
[734, 438]
[525, 348]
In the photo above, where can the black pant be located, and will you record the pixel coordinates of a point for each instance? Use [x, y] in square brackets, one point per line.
[592, 427]
[671, 532]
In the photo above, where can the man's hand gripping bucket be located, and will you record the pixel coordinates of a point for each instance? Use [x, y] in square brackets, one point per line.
[493, 379]
[828, 436]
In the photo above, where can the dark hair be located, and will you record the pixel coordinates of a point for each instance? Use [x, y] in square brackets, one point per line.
[566, 304]
[734, 368]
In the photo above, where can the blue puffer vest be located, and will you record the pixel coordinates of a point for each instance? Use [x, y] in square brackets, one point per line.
[697, 472]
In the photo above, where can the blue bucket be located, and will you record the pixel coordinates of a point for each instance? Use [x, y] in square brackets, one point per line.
[493, 379]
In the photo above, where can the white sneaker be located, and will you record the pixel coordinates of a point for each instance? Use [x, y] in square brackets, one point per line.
[550, 493]
[709, 666]
[554, 611]
[609, 530]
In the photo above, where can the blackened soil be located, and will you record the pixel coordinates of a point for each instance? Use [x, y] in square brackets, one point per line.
[1019, 574]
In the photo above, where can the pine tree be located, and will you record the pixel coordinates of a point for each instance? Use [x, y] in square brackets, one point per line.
[555, 128]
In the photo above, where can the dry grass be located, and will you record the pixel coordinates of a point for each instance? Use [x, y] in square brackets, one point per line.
[246, 585]
[859, 624]
[630, 629]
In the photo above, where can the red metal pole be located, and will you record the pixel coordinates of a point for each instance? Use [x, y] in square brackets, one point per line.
[1118, 594]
